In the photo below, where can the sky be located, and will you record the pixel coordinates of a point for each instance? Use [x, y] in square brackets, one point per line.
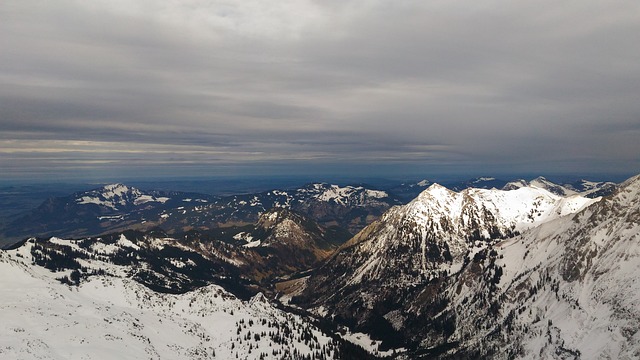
[146, 88]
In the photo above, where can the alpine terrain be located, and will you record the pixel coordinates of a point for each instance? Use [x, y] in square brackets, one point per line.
[492, 274]
[499, 270]
[118, 207]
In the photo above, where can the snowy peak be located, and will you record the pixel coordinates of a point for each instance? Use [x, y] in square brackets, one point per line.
[436, 191]
[439, 230]
[345, 195]
[557, 276]
[516, 184]
[117, 195]
[516, 210]
[582, 187]
[543, 183]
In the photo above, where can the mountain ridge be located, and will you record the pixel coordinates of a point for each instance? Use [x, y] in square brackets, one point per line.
[375, 282]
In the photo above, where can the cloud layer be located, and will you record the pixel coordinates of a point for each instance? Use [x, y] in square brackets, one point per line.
[191, 85]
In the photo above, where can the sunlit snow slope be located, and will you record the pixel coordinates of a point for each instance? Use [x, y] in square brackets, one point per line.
[493, 274]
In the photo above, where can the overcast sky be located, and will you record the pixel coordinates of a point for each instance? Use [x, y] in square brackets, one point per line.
[205, 87]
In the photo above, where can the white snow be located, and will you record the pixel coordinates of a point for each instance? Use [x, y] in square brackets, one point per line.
[344, 195]
[109, 317]
[481, 179]
[123, 241]
[142, 199]
[95, 200]
[364, 340]
[252, 244]
[113, 195]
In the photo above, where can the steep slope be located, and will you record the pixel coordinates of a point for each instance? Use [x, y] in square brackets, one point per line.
[293, 240]
[427, 274]
[243, 260]
[110, 316]
[440, 227]
[280, 244]
[568, 289]
[584, 273]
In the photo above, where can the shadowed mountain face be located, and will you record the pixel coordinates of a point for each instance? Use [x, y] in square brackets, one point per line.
[484, 273]
[111, 208]
[245, 261]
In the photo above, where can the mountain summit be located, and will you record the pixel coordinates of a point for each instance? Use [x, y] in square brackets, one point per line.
[479, 273]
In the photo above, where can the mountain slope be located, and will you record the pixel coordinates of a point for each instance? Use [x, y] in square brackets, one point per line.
[584, 273]
[440, 227]
[243, 260]
[109, 316]
[421, 277]
[299, 243]
[280, 244]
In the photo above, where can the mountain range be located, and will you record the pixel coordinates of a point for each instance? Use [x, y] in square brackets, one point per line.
[118, 207]
[345, 209]
[529, 269]
[490, 274]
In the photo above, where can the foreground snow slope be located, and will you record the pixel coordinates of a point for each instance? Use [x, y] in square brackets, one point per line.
[586, 274]
[111, 317]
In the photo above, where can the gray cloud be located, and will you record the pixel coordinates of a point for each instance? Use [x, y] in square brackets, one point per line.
[500, 86]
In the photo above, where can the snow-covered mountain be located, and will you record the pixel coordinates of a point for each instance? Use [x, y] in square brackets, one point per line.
[492, 274]
[108, 314]
[582, 187]
[440, 228]
[245, 259]
[110, 208]
[478, 273]
[118, 195]
[408, 191]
